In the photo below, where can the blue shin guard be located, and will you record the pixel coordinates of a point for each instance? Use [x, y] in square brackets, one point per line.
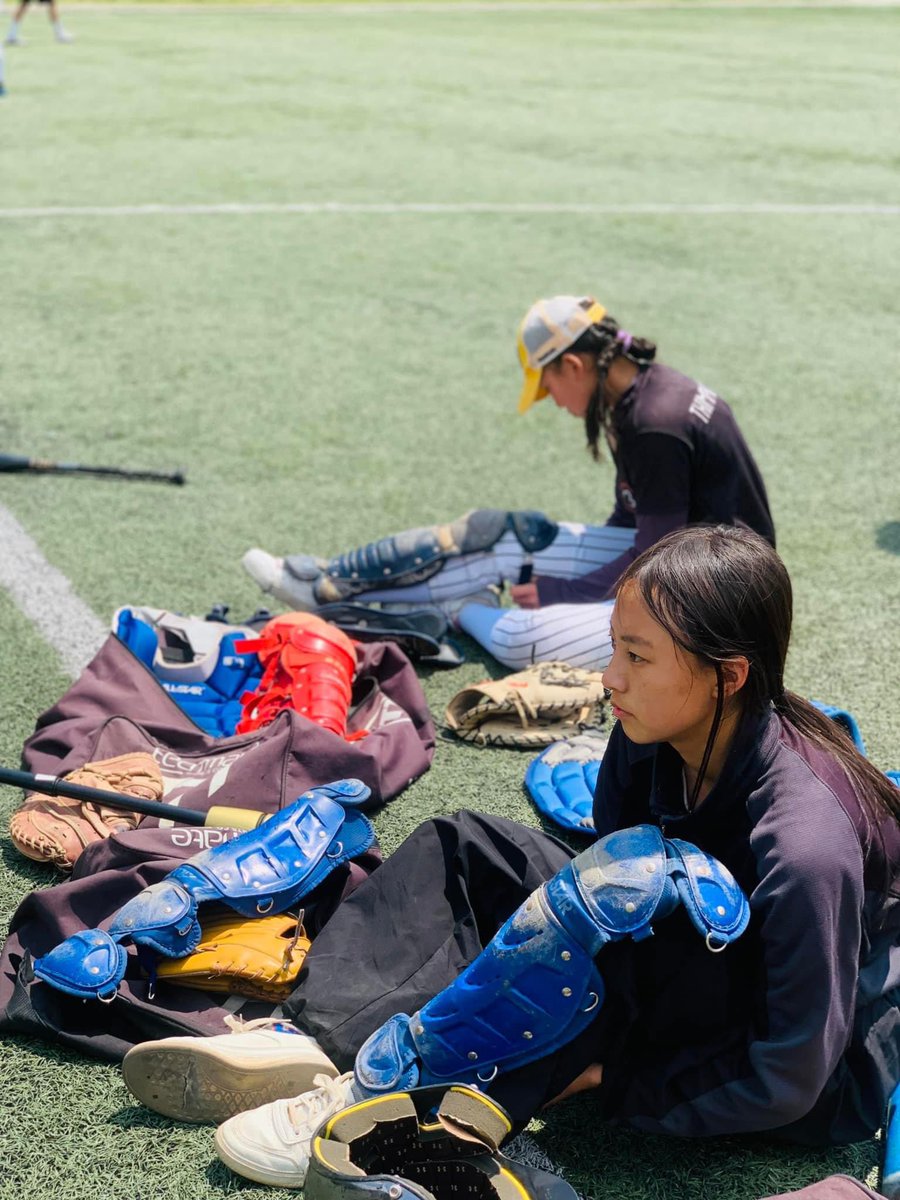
[262, 872]
[535, 986]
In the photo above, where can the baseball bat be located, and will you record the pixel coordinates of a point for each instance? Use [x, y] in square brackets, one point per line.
[52, 785]
[43, 466]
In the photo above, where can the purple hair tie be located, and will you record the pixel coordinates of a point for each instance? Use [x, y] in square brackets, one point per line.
[625, 338]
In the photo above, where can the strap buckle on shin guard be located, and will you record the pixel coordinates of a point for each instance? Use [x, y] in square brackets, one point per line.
[707, 889]
[263, 871]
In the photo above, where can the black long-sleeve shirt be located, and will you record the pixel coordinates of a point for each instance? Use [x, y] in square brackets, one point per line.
[797, 1021]
[680, 460]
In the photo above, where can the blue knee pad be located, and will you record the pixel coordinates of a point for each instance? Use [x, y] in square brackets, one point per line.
[563, 778]
[535, 986]
[846, 721]
[262, 872]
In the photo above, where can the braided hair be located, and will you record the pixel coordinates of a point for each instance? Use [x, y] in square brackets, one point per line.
[605, 341]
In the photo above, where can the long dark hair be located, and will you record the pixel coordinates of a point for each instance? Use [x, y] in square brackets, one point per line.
[604, 342]
[721, 592]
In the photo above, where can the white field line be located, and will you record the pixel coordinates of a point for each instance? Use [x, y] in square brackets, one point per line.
[337, 207]
[46, 597]
[482, 6]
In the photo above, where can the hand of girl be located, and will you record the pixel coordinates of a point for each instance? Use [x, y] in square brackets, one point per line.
[525, 594]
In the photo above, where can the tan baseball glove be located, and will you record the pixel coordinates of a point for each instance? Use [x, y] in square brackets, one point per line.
[54, 829]
[258, 957]
[545, 703]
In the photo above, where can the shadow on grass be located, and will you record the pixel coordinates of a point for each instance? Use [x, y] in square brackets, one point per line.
[31, 874]
[887, 537]
[475, 654]
[138, 1117]
[603, 1163]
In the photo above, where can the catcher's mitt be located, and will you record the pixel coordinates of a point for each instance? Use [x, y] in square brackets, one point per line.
[56, 829]
[545, 703]
[258, 957]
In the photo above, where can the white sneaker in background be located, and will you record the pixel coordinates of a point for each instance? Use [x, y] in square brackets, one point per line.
[293, 585]
[62, 35]
[271, 1144]
[208, 1079]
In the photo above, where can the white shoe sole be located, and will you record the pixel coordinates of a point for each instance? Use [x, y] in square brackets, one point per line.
[203, 1084]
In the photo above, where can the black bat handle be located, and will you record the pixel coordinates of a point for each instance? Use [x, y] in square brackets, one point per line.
[14, 462]
[52, 785]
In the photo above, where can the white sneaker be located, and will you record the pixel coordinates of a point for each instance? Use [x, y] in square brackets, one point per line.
[208, 1079]
[63, 35]
[292, 585]
[13, 38]
[271, 1144]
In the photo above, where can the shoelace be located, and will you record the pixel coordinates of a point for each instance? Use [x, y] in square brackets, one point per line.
[330, 1095]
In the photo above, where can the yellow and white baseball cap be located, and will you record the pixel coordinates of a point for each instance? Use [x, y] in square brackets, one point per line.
[549, 328]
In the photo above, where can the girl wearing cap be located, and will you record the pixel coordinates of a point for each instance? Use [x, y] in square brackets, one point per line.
[790, 1030]
[680, 460]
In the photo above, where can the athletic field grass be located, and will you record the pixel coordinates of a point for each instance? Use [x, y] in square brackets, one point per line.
[725, 180]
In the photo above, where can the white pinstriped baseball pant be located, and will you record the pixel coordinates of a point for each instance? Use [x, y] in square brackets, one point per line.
[575, 633]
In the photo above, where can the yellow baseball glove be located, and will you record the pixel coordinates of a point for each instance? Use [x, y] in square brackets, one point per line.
[256, 957]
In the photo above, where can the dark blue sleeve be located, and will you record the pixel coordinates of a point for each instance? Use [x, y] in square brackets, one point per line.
[659, 475]
[620, 517]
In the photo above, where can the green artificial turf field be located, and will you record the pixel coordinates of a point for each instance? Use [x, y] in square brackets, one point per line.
[327, 375]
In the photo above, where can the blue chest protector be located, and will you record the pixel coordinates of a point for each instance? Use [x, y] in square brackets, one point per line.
[209, 683]
[264, 871]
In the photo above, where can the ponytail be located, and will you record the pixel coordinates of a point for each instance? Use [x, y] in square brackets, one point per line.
[606, 341]
[878, 796]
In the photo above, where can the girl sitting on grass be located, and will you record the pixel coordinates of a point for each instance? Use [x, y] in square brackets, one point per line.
[680, 459]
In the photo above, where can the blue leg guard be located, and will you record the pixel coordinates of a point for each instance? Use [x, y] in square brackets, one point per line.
[261, 872]
[535, 986]
[563, 778]
[416, 554]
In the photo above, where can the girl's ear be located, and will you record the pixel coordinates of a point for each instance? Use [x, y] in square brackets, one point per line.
[568, 361]
[735, 672]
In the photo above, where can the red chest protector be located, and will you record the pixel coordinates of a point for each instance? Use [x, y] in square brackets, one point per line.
[308, 665]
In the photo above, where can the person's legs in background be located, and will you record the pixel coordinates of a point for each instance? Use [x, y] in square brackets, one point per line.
[517, 637]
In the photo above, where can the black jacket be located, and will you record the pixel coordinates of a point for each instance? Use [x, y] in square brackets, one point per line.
[796, 1024]
[680, 460]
